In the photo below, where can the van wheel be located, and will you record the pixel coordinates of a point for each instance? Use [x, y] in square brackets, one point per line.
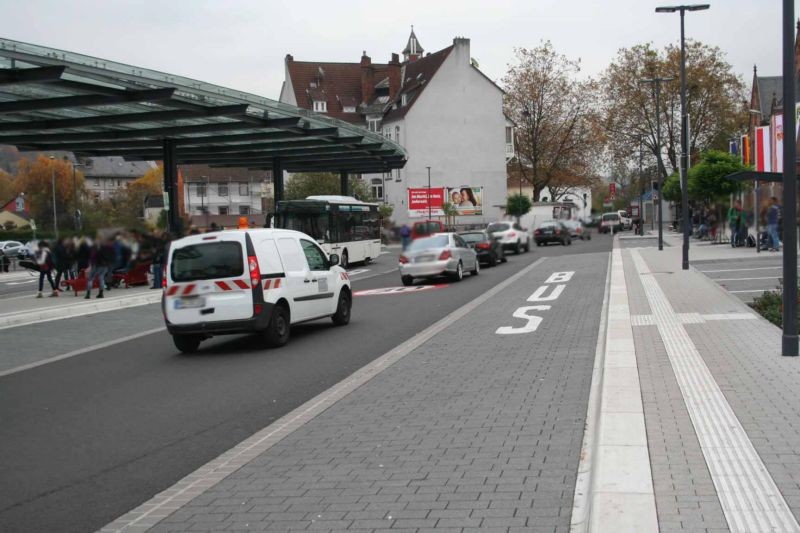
[367, 260]
[345, 261]
[277, 332]
[517, 248]
[407, 280]
[187, 343]
[342, 315]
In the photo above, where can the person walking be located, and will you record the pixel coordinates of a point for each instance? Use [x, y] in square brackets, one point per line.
[44, 260]
[735, 222]
[158, 261]
[405, 236]
[102, 260]
[63, 256]
[773, 219]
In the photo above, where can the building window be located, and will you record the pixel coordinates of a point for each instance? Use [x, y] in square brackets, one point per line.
[397, 134]
[223, 210]
[201, 189]
[244, 189]
[397, 175]
[508, 134]
[320, 107]
[349, 109]
[404, 100]
[374, 125]
[222, 189]
[244, 209]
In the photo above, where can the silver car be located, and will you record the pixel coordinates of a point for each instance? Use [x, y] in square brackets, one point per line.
[11, 248]
[441, 254]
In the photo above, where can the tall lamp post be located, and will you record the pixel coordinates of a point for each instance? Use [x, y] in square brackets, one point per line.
[641, 189]
[77, 214]
[657, 90]
[429, 192]
[687, 224]
[53, 183]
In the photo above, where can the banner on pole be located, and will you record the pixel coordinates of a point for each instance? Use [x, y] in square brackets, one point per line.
[745, 149]
[763, 152]
[777, 143]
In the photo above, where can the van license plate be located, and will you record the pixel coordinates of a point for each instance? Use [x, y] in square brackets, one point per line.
[190, 303]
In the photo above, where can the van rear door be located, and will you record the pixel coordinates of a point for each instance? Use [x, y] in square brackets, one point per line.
[209, 281]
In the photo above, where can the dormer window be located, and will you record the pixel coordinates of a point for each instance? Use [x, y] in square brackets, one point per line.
[374, 125]
[404, 100]
[320, 106]
[349, 109]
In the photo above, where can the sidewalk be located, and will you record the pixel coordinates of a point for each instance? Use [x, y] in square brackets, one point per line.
[720, 406]
[27, 309]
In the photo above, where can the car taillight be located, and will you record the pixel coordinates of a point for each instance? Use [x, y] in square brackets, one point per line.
[483, 245]
[255, 272]
[164, 277]
[403, 259]
[537, 232]
[558, 232]
[445, 255]
[511, 234]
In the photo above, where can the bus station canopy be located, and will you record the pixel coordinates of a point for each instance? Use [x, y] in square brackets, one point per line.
[56, 100]
[751, 175]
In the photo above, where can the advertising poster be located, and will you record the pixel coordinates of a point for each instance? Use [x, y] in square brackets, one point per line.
[418, 202]
[467, 200]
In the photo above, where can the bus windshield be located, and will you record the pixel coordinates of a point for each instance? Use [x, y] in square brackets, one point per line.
[331, 222]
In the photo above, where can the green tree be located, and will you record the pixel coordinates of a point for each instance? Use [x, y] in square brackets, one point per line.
[707, 181]
[386, 211]
[304, 184]
[518, 205]
[450, 212]
[671, 188]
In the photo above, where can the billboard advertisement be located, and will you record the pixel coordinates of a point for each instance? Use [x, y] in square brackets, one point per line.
[466, 199]
[418, 202]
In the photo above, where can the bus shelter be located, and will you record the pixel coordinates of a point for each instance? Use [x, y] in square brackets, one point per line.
[56, 100]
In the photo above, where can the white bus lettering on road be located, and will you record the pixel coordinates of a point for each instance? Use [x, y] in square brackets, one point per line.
[538, 296]
[522, 312]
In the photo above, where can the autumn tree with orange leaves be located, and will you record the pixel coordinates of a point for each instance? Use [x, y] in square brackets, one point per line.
[35, 179]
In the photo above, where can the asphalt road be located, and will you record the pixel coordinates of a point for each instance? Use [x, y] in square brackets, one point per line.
[86, 439]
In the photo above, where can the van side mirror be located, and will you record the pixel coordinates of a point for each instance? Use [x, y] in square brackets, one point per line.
[334, 259]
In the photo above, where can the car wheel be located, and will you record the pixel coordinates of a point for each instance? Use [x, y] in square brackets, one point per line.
[407, 280]
[517, 249]
[367, 260]
[277, 333]
[493, 260]
[345, 260]
[459, 274]
[187, 343]
[569, 241]
[477, 270]
[342, 315]
[527, 246]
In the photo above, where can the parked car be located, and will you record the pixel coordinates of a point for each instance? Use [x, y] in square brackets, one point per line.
[488, 248]
[610, 222]
[12, 248]
[442, 254]
[250, 281]
[577, 230]
[512, 235]
[627, 222]
[425, 228]
[552, 231]
[592, 221]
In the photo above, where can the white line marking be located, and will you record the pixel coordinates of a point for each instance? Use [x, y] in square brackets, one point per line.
[389, 271]
[741, 269]
[163, 504]
[744, 279]
[749, 497]
[755, 290]
[357, 271]
[22, 282]
[81, 351]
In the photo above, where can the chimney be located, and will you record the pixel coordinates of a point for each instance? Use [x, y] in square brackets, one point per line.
[461, 48]
[394, 76]
[367, 78]
[289, 58]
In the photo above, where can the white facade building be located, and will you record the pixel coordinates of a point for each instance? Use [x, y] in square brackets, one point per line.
[444, 111]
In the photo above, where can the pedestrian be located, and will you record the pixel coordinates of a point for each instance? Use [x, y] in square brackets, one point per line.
[735, 222]
[102, 259]
[405, 236]
[44, 260]
[63, 256]
[158, 261]
[773, 219]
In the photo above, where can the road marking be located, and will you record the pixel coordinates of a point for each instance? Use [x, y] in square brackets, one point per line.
[398, 290]
[754, 290]
[81, 351]
[389, 271]
[741, 269]
[168, 501]
[749, 497]
[357, 272]
[21, 282]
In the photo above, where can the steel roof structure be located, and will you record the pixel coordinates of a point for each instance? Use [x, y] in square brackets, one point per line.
[56, 100]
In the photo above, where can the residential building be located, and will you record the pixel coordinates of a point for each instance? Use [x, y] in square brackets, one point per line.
[439, 106]
[104, 176]
[224, 191]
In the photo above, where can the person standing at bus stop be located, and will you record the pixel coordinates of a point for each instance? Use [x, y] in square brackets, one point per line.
[735, 221]
[773, 218]
[405, 235]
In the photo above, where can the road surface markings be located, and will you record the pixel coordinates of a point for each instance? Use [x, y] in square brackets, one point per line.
[21, 282]
[357, 272]
[754, 290]
[166, 502]
[383, 291]
[749, 497]
[81, 351]
[533, 321]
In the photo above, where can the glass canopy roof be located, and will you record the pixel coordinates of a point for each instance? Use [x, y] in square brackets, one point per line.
[56, 100]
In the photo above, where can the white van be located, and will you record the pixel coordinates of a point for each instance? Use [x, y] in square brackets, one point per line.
[250, 280]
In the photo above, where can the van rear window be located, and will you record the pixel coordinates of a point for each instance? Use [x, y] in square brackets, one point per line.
[211, 260]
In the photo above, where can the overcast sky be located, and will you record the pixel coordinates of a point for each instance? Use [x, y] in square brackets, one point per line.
[242, 43]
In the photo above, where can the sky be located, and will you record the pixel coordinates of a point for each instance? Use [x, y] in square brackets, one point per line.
[241, 44]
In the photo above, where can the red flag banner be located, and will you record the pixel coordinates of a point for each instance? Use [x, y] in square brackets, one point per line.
[763, 153]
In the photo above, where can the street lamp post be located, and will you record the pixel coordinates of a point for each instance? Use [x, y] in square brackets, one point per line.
[641, 190]
[429, 192]
[53, 183]
[657, 90]
[687, 224]
[75, 200]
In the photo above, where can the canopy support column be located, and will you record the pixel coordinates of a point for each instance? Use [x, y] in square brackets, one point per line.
[277, 180]
[343, 184]
[171, 187]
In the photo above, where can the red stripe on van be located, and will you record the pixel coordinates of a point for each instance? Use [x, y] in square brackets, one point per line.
[224, 286]
[267, 284]
[241, 284]
[277, 283]
[188, 289]
[172, 290]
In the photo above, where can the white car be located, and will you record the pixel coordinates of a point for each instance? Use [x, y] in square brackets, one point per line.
[12, 248]
[512, 236]
[250, 281]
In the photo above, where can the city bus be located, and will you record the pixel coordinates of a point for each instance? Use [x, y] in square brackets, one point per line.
[340, 224]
